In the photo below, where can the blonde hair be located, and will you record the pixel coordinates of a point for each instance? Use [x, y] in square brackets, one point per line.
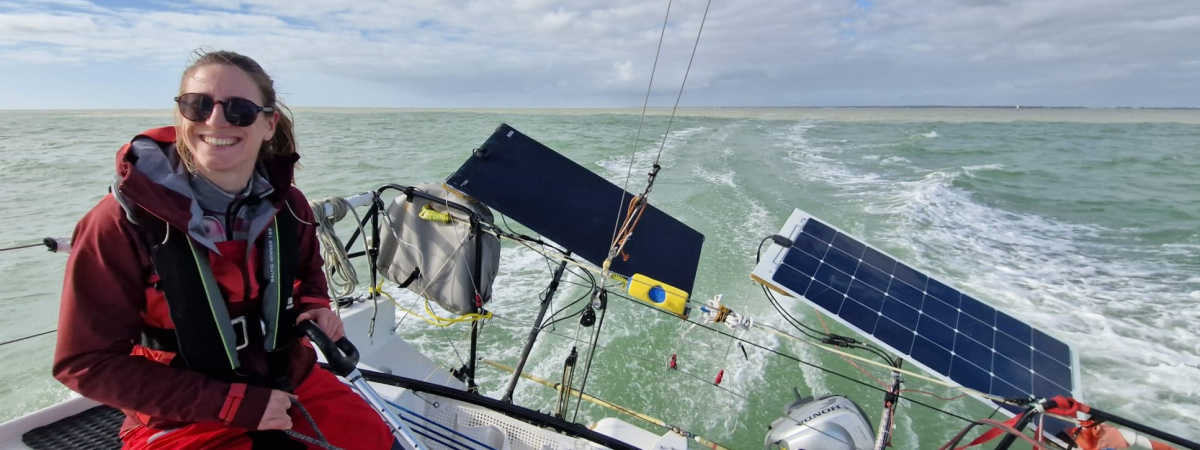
[283, 142]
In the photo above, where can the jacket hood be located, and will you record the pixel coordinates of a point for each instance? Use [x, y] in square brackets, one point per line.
[151, 175]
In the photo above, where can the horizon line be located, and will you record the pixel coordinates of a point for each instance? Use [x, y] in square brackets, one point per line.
[664, 107]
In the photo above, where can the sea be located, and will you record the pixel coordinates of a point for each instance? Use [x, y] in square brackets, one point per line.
[1084, 223]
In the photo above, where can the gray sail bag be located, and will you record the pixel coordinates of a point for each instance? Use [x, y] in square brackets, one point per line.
[436, 258]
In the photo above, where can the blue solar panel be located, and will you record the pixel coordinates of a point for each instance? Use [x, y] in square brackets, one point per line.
[930, 323]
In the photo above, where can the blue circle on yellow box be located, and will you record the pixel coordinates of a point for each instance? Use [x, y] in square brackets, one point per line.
[657, 294]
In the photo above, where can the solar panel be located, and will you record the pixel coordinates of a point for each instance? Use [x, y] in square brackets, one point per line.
[939, 328]
[576, 208]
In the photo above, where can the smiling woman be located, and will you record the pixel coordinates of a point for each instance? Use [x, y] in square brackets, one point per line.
[178, 305]
[225, 147]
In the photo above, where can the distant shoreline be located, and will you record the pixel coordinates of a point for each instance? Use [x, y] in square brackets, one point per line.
[457, 108]
[924, 114]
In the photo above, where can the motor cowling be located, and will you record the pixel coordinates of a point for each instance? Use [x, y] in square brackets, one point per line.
[831, 422]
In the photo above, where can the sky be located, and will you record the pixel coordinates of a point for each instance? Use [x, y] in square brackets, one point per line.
[109, 54]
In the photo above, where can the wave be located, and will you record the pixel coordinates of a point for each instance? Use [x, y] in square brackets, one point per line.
[618, 167]
[819, 163]
[722, 178]
[1121, 314]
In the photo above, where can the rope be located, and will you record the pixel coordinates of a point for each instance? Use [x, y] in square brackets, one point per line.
[320, 441]
[918, 391]
[343, 279]
[437, 321]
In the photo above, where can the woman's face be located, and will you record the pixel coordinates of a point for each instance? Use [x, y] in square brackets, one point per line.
[220, 150]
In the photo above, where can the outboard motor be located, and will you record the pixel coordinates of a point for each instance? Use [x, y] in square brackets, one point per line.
[832, 422]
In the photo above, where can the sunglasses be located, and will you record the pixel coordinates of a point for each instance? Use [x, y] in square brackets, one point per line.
[239, 112]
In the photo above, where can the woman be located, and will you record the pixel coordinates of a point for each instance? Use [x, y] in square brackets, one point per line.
[184, 282]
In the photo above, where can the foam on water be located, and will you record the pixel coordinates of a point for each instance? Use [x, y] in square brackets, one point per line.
[1127, 318]
[619, 165]
[725, 178]
[817, 163]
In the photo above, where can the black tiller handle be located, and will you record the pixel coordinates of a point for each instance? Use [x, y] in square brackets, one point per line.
[342, 355]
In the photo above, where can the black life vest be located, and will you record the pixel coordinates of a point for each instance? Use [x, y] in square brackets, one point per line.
[206, 339]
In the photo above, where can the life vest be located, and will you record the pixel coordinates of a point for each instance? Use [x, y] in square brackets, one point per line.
[205, 338]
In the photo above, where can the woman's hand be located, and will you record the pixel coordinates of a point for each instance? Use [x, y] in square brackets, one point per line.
[276, 416]
[326, 320]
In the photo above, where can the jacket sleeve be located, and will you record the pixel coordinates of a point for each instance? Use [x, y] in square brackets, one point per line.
[100, 320]
[311, 289]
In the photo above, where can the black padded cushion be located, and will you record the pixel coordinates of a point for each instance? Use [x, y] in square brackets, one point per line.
[97, 428]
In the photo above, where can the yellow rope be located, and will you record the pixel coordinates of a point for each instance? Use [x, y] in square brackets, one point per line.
[436, 321]
[433, 215]
[606, 404]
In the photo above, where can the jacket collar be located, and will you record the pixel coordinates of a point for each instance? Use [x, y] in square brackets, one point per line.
[151, 175]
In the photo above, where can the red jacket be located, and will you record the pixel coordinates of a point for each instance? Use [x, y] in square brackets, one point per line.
[109, 294]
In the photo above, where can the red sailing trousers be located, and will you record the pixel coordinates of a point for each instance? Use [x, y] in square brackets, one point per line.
[345, 419]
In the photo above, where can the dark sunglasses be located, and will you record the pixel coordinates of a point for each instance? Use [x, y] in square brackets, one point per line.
[239, 112]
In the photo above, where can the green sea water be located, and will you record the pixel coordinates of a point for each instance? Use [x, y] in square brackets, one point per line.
[1083, 223]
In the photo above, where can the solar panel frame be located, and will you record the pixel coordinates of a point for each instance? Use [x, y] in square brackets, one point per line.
[918, 315]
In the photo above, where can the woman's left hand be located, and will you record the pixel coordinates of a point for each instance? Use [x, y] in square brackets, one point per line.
[326, 320]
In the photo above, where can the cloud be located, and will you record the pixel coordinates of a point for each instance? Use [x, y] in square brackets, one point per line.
[600, 53]
[624, 71]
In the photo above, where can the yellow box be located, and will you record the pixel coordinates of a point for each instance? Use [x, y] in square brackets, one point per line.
[659, 294]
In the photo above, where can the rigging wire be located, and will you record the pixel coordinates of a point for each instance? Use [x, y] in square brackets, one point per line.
[888, 366]
[637, 205]
[27, 337]
[796, 359]
[641, 358]
[39, 244]
[828, 349]
[567, 317]
[641, 120]
[681, 86]
[587, 366]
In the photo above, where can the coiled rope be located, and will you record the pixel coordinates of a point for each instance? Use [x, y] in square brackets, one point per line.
[343, 279]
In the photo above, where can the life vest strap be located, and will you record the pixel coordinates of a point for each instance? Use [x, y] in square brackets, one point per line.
[165, 339]
[206, 338]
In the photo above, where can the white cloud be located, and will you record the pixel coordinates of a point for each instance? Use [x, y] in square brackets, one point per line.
[753, 52]
[624, 71]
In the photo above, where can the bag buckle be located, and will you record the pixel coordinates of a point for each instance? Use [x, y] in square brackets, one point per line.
[239, 331]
